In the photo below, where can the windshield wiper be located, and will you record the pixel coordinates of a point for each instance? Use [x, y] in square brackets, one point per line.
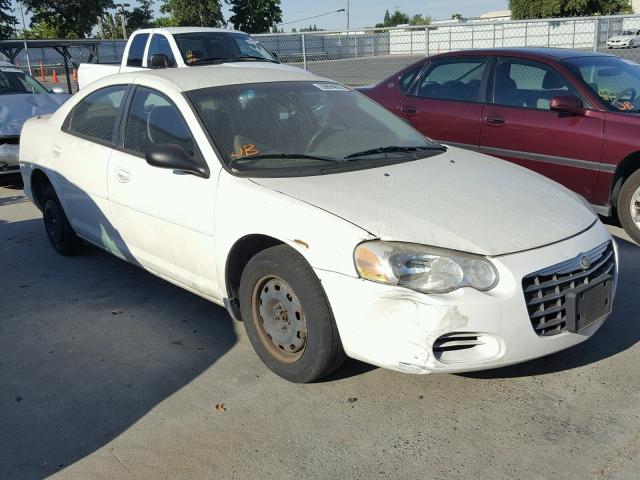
[209, 60]
[284, 155]
[254, 57]
[394, 149]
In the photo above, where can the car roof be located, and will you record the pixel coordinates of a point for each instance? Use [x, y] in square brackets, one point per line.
[179, 30]
[193, 78]
[548, 52]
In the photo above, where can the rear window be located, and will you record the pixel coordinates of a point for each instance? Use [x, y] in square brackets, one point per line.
[136, 50]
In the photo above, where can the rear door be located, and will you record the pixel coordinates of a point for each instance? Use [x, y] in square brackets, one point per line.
[80, 158]
[135, 53]
[518, 125]
[445, 102]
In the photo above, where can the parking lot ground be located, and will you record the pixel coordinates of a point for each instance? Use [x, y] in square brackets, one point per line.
[108, 372]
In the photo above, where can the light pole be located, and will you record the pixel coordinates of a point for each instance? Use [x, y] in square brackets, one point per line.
[348, 13]
[24, 36]
[122, 6]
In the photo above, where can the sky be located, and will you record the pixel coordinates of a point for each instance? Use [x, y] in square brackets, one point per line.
[366, 13]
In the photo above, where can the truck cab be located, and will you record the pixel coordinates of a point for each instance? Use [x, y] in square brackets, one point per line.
[183, 47]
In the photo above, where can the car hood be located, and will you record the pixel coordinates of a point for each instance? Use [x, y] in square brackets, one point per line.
[270, 65]
[459, 200]
[17, 109]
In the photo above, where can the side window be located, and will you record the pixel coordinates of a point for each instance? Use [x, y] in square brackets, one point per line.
[523, 83]
[153, 120]
[160, 45]
[457, 79]
[136, 50]
[95, 116]
[406, 80]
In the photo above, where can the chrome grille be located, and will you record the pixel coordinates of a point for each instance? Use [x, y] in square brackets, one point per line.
[545, 290]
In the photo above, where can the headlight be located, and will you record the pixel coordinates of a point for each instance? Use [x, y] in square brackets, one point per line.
[422, 268]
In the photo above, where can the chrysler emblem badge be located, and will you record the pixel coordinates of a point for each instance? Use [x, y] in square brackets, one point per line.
[585, 263]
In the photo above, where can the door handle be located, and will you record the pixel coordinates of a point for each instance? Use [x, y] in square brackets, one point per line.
[122, 175]
[56, 150]
[409, 110]
[495, 120]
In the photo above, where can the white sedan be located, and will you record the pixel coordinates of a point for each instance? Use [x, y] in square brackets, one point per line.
[326, 224]
[627, 39]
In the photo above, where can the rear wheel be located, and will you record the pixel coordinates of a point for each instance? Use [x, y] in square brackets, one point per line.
[629, 206]
[287, 316]
[62, 237]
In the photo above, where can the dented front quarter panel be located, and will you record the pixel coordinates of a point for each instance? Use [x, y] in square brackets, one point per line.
[244, 208]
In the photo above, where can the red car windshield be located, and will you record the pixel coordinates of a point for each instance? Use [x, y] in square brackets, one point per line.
[615, 80]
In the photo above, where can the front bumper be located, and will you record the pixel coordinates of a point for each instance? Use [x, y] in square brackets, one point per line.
[397, 328]
[619, 44]
[9, 156]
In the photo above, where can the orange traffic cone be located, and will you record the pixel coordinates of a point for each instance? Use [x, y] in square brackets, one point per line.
[75, 75]
[55, 76]
[42, 72]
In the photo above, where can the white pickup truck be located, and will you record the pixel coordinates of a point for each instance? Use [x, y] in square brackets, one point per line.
[181, 47]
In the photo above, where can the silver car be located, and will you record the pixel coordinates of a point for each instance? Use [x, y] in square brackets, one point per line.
[21, 97]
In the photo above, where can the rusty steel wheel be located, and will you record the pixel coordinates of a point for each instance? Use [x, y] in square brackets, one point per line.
[279, 318]
[287, 316]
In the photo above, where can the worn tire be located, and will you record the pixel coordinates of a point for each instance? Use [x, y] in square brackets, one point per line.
[626, 196]
[322, 352]
[62, 237]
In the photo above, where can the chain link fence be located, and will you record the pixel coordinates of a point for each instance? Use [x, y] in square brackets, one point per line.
[356, 57]
[367, 56]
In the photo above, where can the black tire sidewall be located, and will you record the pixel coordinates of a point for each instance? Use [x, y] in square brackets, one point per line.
[624, 203]
[68, 243]
[319, 356]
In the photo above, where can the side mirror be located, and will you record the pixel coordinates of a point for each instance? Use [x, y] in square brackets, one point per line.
[567, 104]
[275, 55]
[58, 90]
[159, 60]
[174, 157]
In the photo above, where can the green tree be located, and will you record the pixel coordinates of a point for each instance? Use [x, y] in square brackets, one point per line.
[457, 16]
[418, 19]
[398, 18]
[523, 9]
[7, 21]
[255, 16]
[203, 13]
[68, 18]
[111, 27]
[162, 22]
[141, 16]
[387, 19]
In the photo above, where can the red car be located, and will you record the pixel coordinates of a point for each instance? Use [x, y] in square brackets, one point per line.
[571, 116]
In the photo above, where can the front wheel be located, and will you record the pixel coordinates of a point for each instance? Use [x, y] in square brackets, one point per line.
[629, 206]
[287, 316]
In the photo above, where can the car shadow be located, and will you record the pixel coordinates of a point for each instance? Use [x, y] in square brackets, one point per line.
[620, 332]
[90, 344]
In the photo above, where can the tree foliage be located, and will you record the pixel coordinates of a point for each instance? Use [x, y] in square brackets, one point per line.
[255, 16]
[523, 9]
[7, 21]
[418, 19]
[68, 18]
[397, 18]
[141, 16]
[203, 13]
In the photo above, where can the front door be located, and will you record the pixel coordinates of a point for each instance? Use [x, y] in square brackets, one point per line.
[164, 217]
[519, 126]
[446, 101]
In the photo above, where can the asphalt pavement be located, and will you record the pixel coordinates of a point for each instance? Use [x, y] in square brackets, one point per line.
[109, 372]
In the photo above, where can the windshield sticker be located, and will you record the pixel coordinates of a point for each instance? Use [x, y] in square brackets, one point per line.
[251, 41]
[330, 87]
[10, 69]
[625, 106]
[245, 151]
[607, 95]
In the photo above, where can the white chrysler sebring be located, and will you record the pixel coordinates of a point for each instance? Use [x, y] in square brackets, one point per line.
[329, 226]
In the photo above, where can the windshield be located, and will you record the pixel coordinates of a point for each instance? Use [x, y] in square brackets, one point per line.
[615, 80]
[628, 32]
[209, 47]
[298, 125]
[14, 81]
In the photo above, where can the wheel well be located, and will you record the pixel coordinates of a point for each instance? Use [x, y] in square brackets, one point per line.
[39, 181]
[626, 168]
[241, 252]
